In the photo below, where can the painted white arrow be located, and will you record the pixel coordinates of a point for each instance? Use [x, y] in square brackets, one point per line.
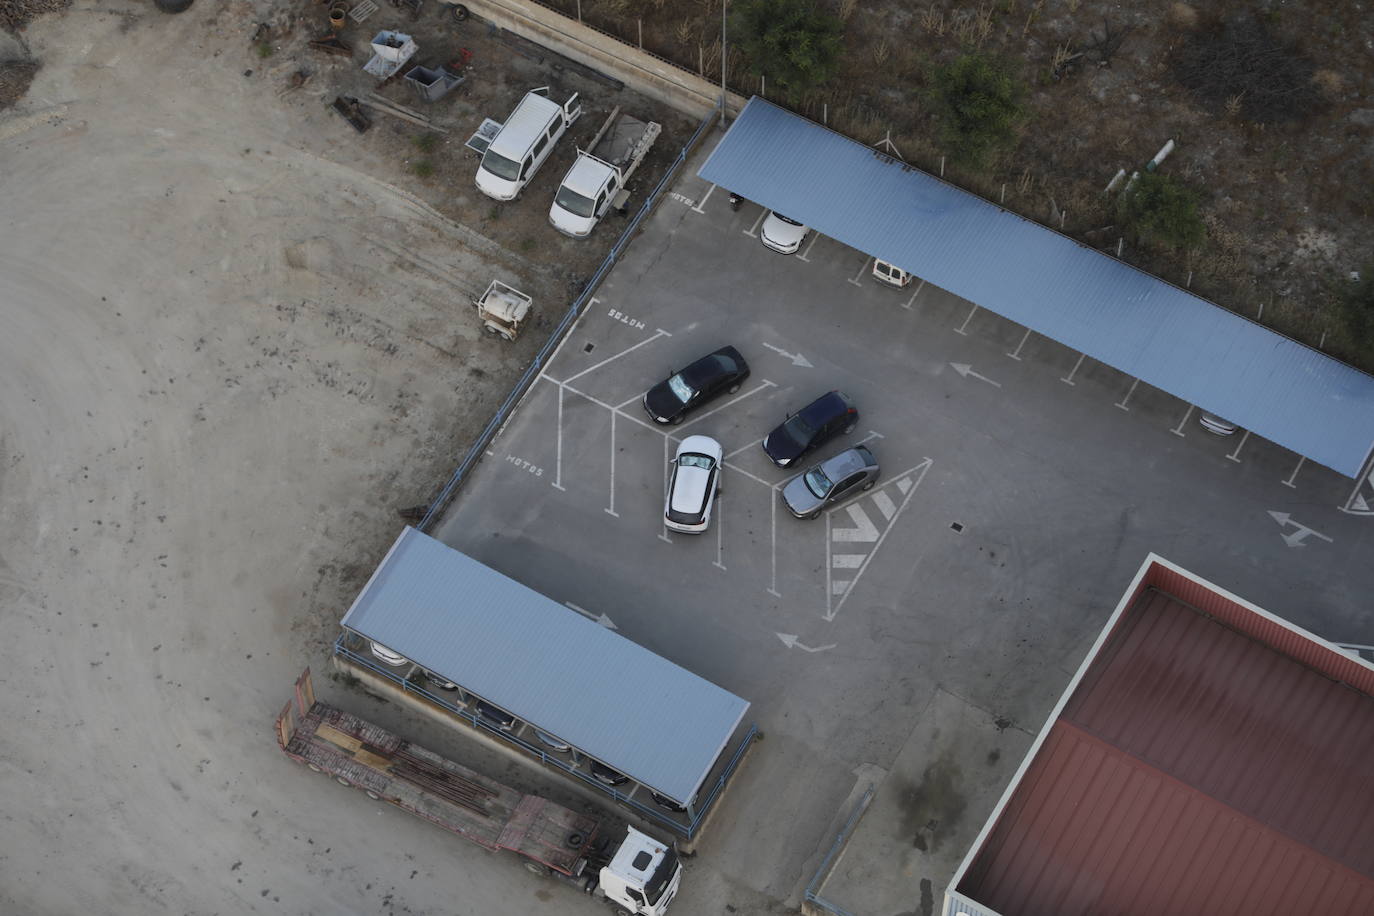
[790, 641]
[797, 358]
[602, 619]
[966, 371]
[1297, 537]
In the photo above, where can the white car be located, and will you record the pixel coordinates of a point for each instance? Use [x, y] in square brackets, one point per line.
[693, 484]
[782, 234]
[389, 656]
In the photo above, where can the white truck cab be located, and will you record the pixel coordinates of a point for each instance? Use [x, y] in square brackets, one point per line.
[523, 143]
[643, 876]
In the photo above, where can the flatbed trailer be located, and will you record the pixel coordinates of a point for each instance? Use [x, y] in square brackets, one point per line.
[552, 839]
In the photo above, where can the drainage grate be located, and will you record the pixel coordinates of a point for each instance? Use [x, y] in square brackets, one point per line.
[588, 348]
[362, 11]
[957, 526]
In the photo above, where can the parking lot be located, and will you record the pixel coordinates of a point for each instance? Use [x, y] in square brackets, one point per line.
[1022, 484]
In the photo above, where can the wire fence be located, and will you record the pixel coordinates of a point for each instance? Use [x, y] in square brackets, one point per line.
[474, 454]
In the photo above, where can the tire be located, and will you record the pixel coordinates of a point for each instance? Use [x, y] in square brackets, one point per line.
[733, 388]
[676, 420]
[536, 868]
[372, 795]
[505, 335]
[869, 485]
[460, 13]
[850, 428]
[816, 514]
[343, 782]
[315, 768]
[173, 6]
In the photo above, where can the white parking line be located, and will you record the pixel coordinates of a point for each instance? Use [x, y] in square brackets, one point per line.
[962, 328]
[1233, 455]
[1293, 476]
[743, 448]
[1122, 403]
[701, 203]
[868, 266]
[1068, 380]
[803, 256]
[753, 230]
[658, 332]
[610, 510]
[709, 413]
[773, 525]
[885, 504]
[1016, 354]
[612, 408]
[912, 301]
[558, 461]
[720, 537]
[663, 535]
[1178, 430]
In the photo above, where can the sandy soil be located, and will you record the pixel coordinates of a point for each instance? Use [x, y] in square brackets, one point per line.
[232, 349]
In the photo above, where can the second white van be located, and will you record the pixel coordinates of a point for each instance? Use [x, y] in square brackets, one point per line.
[522, 144]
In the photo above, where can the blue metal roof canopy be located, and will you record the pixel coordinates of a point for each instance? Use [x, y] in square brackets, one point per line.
[1276, 387]
[650, 719]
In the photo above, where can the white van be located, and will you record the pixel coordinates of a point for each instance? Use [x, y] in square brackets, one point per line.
[522, 144]
[890, 274]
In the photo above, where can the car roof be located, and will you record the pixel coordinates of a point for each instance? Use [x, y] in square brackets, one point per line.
[711, 361]
[524, 125]
[587, 176]
[847, 462]
[828, 405]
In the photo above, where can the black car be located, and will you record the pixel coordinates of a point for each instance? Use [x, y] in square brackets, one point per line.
[830, 415]
[496, 718]
[720, 372]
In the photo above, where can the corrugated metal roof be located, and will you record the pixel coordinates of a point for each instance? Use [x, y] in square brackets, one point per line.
[641, 714]
[1282, 390]
[1194, 770]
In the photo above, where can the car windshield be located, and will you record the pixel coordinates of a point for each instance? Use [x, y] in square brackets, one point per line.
[574, 203]
[818, 483]
[663, 874]
[500, 166]
[786, 219]
[694, 460]
[798, 429]
[680, 389]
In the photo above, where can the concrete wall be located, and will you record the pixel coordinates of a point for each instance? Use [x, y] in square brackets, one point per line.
[638, 69]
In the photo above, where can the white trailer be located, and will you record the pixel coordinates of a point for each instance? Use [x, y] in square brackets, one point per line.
[596, 182]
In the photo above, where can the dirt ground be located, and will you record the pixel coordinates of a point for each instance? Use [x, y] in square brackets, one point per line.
[1279, 143]
[237, 340]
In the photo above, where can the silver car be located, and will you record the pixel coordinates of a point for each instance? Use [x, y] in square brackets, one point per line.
[834, 479]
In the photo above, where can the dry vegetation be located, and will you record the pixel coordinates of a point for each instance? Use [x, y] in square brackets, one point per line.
[1269, 105]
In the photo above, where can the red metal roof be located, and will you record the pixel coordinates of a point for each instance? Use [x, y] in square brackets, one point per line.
[1194, 770]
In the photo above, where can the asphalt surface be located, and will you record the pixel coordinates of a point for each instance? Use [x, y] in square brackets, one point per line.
[1022, 487]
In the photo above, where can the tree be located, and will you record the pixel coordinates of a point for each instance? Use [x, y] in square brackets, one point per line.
[977, 102]
[793, 44]
[1160, 209]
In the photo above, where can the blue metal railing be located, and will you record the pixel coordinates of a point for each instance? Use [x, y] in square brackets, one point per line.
[811, 893]
[503, 412]
[407, 686]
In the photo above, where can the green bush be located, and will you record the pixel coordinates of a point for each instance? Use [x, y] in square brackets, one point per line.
[978, 105]
[1162, 210]
[793, 44]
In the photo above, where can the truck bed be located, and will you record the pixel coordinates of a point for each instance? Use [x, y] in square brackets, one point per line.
[439, 790]
[622, 141]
